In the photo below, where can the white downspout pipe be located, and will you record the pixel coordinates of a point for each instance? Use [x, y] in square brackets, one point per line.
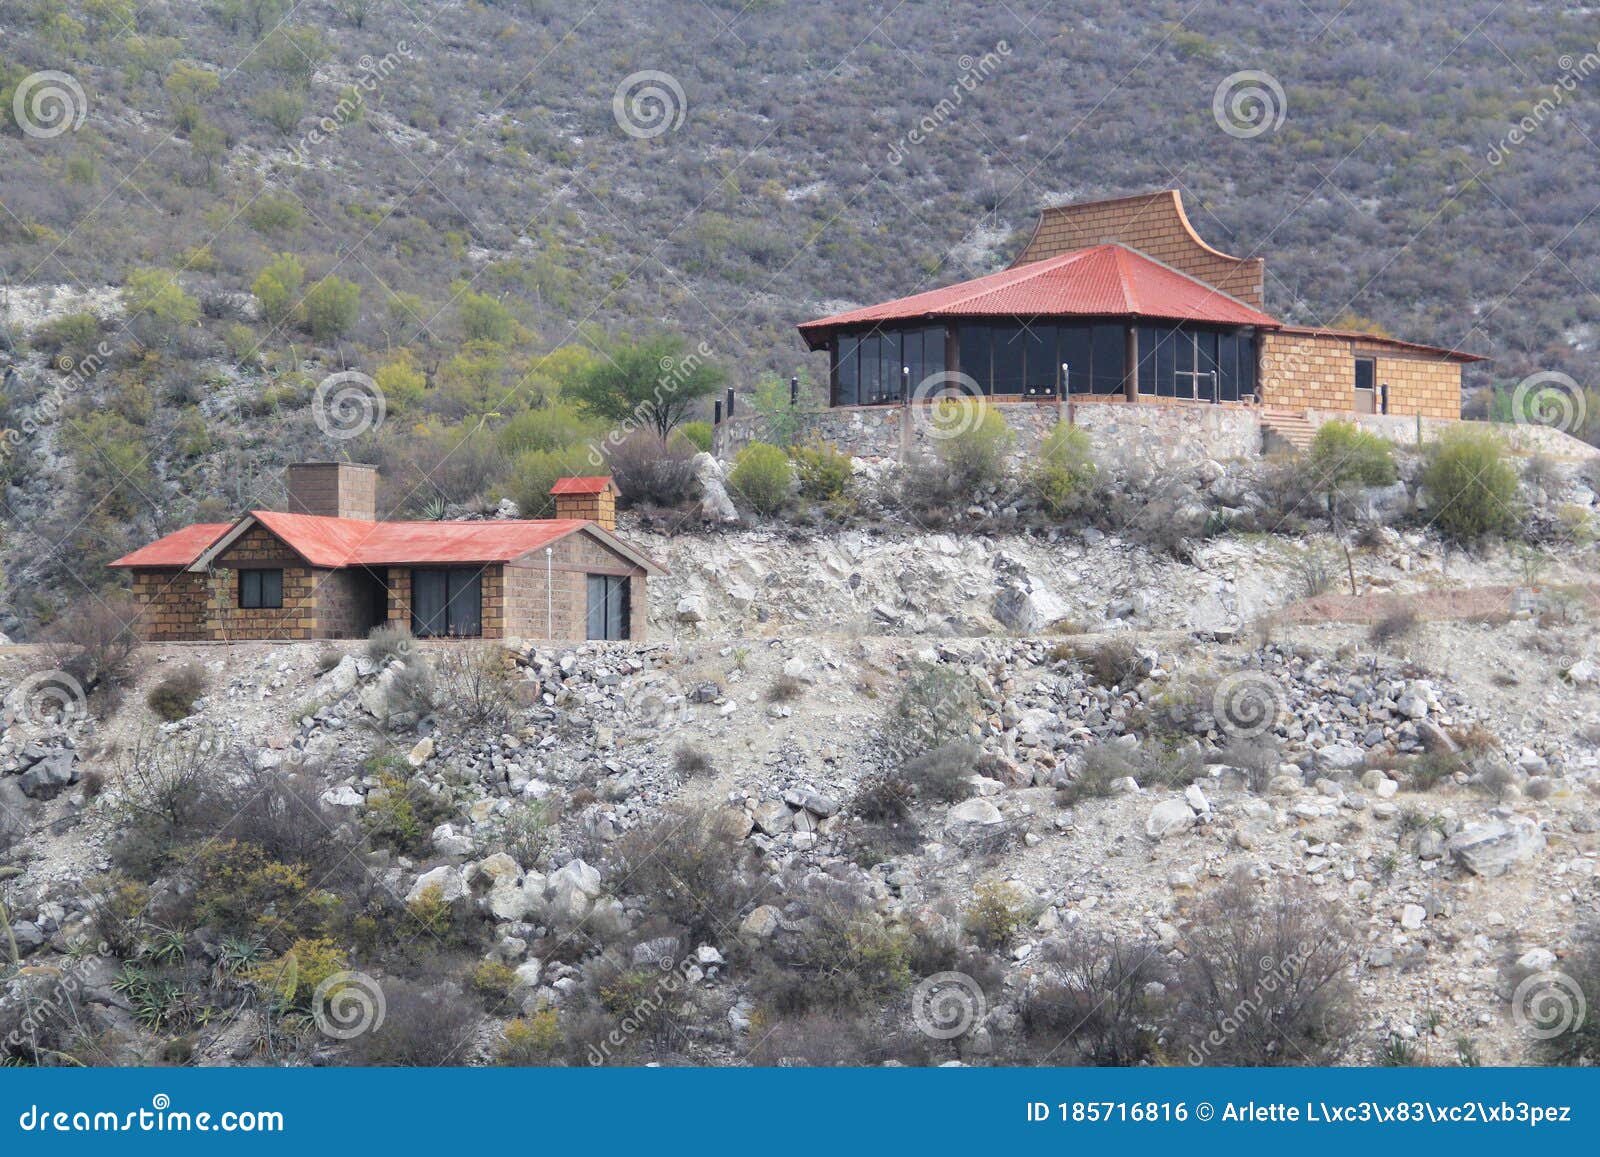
[549, 595]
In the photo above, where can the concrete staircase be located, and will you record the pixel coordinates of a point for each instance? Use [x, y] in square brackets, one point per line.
[1286, 429]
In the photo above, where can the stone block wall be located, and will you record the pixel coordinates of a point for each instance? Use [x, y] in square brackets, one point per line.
[172, 604]
[1520, 438]
[1157, 431]
[1317, 372]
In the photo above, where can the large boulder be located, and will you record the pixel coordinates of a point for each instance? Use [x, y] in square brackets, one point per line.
[574, 887]
[714, 502]
[1168, 818]
[1492, 848]
[450, 882]
[51, 775]
[976, 811]
[340, 681]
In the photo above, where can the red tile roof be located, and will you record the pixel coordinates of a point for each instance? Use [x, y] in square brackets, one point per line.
[1103, 280]
[177, 549]
[337, 542]
[582, 486]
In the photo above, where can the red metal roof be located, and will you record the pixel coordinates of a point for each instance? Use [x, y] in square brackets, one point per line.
[335, 542]
[582, 486]
[177, 549]
[1103, 280]
[1380, 339]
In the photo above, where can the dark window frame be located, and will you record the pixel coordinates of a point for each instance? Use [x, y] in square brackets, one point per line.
[616, 607]
[459, 618]
[257, 593]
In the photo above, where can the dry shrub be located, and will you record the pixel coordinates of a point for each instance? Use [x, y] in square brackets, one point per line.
[479, 683]
[691, 868]
[1266, 978]
[650, 472]
[1397, 624]
[1095, 994]
[943, 773]
[96, 643]
[173, 698]
[422, 1026]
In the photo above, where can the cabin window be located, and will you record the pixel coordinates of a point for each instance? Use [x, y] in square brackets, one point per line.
[847, 377]
[446, 601]
[1007, 353]
[260, 590]
[609, 608]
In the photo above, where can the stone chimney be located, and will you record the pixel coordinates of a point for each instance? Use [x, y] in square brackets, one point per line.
[334, 489]
[592, 499]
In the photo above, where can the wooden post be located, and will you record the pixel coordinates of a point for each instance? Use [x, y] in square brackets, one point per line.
[1130, 369]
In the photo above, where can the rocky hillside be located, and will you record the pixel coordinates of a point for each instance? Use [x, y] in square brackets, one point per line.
[725, 847]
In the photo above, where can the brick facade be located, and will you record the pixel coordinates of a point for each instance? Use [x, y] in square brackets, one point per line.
[333, 489]
[514, 603]
[172, 604]
[600, 508]
[1156, 225]
[1304, 371]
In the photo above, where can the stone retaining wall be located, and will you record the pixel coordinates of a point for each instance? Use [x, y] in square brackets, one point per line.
[1160, 433]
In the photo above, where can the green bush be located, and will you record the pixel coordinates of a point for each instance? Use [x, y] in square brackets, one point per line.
[485, 319]
[1344, 452]
[157, 304]
[173, 698]
[1471, 488]
[761, 477]
[975, 444]
[1064, 470]
[535, 471]
[823, 471]
[277, 287]
[698, 435]
[332, 307]
[74, 333]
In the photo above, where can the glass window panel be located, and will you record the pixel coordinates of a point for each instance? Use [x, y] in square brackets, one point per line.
[871, 390]
[1247, 362]
[1366, 373]
[1040, 370]
[249, 588]
[847, 372]
[890, 365]
[272, 588]
[1149, 340]
[1228, 367]
[1110, 351]
[1007, 354]
[429, 595]
[1074, 349]
[933, 350]
[974, 339]
[464, 612]
[1205, 347]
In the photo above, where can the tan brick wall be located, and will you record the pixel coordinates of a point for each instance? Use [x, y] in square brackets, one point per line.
[172, 604]
[601, 508]
[296, 619]
[576, 557]
[1156, 225]
[1317, 372]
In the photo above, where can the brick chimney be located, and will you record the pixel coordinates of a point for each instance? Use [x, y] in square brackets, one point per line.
[334, 489]
[594, 499]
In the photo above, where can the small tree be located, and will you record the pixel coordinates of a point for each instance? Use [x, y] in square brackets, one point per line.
[652, 382]
[1471, 488]
[277, 287]
[157, 304]
[973, 443]
[332, 307]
